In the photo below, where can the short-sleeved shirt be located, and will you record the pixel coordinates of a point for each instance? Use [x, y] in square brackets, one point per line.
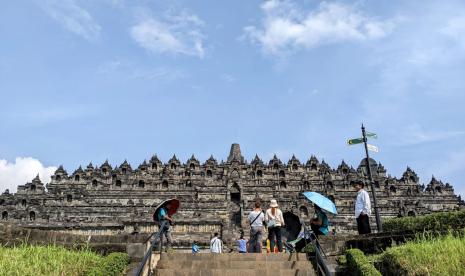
[161, 214]
[242, 245]
[259, 221]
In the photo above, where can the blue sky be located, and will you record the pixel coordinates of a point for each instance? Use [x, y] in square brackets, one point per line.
[84, 81]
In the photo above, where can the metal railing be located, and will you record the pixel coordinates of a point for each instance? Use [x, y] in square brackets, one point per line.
[157, 236]
[320, 256]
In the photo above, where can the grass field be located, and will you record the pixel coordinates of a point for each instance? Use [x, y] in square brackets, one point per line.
[54, 260]
[426, 256]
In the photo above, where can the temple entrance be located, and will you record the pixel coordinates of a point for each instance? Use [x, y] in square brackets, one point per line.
[236, 197]
[235, 205]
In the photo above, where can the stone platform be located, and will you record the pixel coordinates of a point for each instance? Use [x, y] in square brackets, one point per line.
[233, 264]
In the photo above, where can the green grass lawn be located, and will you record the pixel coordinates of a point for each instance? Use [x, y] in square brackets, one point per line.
[54, 260]
[427, 256]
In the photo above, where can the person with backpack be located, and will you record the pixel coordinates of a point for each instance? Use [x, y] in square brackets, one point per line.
[256, 218]
[216, 245]
[274, 221]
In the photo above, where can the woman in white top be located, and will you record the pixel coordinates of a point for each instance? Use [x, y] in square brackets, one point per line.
[274, 220]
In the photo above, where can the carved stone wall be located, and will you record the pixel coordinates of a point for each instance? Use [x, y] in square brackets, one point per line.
[214, 197]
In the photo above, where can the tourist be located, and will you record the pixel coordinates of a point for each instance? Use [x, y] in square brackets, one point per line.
[362, 208]
[256, 218]
[216, 245]
[195, 248]
[274, 221]
[320, 226]
[319, 222]
[242, 244]
[163, 217]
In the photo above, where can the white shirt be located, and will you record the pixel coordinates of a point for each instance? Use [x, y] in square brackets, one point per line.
[362, 204]
[216, 245]
[278, 217]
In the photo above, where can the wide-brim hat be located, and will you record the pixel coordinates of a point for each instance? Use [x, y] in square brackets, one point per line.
[273, 203]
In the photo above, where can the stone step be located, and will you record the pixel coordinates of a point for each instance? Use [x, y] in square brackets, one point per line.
[235, 256]
[235, 264]
[235, 272]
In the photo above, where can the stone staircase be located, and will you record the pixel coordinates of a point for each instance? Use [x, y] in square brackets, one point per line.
[228, 264]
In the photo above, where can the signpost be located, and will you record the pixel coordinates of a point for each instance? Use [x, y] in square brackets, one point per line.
[364, 140]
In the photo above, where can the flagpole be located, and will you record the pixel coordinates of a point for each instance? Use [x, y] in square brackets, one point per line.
[370, 176]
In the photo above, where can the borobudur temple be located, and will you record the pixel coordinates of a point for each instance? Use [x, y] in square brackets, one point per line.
[215, 196]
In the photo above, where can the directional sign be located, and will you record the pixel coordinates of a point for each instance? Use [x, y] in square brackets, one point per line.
[372, 148]
[372, 135]
[355, 141]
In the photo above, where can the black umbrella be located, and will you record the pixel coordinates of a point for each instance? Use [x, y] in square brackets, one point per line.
[293, 225]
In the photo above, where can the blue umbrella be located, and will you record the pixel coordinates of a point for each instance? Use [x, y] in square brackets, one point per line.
[322, 201]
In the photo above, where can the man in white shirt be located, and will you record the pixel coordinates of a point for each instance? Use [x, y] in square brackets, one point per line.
[362, 208]
[216, 245]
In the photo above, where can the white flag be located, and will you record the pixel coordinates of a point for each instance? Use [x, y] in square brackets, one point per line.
[372, 148]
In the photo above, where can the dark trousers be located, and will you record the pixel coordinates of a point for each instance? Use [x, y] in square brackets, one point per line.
[363, 224]
[272, 233]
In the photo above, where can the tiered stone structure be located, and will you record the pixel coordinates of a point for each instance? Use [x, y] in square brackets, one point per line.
[214, 196]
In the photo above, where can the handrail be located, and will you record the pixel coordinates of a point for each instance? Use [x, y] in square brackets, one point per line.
[158, 236]
[320, 258]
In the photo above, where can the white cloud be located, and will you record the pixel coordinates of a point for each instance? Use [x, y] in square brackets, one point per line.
[73, 18]
[128, 70]
[171, 34]
[286, 27]
[227, 77]
[23, 170]
[455, 29]
[415, 134]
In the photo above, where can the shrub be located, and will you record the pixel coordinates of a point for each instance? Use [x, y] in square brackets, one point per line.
[359, 265]
[57, 260]
[437, 222]
[309, 249]
[440, 256]
[113, 264]
[46, 260]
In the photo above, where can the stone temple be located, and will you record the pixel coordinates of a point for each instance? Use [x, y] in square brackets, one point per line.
[215, 197]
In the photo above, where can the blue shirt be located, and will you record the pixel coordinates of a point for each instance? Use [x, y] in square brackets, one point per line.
[195, 248]
[162, 214]
[242, 245]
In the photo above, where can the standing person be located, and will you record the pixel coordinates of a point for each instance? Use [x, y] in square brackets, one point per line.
[163, 217]
[362, 208]
[216, 245]
[242, 244]
[256, 218]
[274, 221]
